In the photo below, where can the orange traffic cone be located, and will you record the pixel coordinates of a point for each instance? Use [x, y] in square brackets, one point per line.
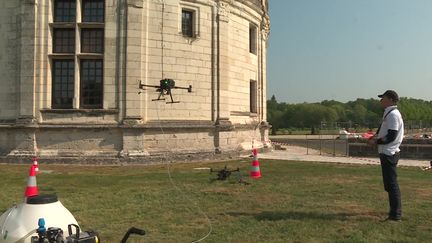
[31, 189]
[255, 169]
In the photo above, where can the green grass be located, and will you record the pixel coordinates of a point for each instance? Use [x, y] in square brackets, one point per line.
[292, 202]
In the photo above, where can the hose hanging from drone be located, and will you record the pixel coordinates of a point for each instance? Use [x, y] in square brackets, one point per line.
[165, 88]
[166, 85]
[162, 39]
[182, 193]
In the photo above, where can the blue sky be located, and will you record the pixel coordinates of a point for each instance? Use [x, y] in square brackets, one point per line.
[348, 49]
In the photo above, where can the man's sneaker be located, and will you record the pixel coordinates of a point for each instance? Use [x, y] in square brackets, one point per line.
[393, 219]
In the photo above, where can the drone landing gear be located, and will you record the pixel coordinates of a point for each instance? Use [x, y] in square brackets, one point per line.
[170, 102]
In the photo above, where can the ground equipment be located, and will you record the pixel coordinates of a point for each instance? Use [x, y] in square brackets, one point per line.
[56, 235]
[225, 173]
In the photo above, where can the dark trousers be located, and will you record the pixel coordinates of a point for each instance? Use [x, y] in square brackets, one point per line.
[388, 167]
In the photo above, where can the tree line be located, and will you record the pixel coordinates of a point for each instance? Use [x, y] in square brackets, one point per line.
[364, 113]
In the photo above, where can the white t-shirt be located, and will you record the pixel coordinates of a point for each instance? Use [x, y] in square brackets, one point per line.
[392, 121]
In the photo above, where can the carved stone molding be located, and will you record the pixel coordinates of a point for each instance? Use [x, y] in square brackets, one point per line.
[25, 121]
[224, 9]
[132, 121]
[135, 3]
[265, 28]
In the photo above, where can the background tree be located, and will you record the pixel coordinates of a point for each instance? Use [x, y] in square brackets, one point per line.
[365, 113]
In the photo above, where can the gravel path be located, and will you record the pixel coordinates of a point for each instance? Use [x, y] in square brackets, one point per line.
[301, 154]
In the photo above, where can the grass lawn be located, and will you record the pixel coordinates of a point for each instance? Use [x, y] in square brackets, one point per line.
[292, 202]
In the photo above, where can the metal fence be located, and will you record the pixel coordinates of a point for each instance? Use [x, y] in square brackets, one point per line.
[316, 144]
[414, 148]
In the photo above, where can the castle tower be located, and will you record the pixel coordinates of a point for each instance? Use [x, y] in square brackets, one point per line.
[71, 71]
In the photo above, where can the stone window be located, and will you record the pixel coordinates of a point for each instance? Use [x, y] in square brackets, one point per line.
[253, 96]
[64, 40]
[188, 19]
[93, 11]
[63, 84]
[91, 83]
[77, 63]
[64, 11]
[252, 39]
[92, 40]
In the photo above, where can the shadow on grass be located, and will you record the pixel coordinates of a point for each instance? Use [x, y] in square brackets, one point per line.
[275, 216]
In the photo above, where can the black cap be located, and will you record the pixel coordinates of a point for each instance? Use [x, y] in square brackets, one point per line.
[391, 94]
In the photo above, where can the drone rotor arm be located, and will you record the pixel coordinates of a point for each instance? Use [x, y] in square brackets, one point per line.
[189, 89]
[150, 86]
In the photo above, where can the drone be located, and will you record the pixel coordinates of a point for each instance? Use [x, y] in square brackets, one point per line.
[164, 88]
[225, 173]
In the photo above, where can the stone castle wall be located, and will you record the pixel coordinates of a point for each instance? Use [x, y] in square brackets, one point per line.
[143, 43]
[10, 26]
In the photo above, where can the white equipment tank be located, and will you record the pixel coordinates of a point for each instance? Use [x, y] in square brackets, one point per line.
[19, 223]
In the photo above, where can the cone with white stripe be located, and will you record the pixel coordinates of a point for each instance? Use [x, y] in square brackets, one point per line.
[255, 169]
[31, 189]
[36, 164]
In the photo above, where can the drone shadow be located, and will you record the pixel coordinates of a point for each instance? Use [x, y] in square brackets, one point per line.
[276, 216]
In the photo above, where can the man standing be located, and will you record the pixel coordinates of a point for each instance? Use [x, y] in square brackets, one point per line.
[388, 138]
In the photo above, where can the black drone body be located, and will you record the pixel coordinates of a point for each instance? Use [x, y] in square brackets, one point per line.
[225, 173]
[165, 88]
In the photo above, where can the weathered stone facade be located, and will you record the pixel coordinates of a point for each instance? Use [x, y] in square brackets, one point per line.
[142, 41]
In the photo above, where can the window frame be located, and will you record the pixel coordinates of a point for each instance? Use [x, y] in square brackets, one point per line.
[83, 99]
[191, 24]
[84, 40]
[92, 47]
[71, 45]
[195, 10]
[253, 38]
[56, 2]
[83, 10]
[61, 105]
[253, 96]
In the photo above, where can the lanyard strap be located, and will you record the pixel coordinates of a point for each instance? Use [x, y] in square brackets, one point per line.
[384, 119]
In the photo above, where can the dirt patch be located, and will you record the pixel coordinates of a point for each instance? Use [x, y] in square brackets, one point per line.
[424, 193]
[358, 211]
